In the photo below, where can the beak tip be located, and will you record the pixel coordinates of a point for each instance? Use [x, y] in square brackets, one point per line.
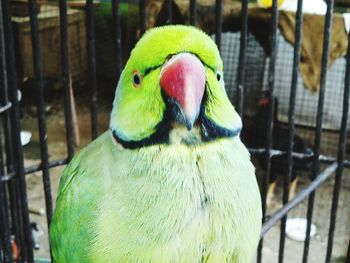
[189, 123]
[181, 116]
[189, 127]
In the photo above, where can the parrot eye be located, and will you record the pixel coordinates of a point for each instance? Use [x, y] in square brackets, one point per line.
[136, 78]
[218, 75]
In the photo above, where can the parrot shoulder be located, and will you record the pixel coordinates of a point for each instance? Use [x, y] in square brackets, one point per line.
[82, 161]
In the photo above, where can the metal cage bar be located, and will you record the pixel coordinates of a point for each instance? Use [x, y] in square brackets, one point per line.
[66, 77]
[218, 23]
[11, 190]
[291, 120]
[271, 85]
[90, 24]
[34, 25]
[10, 159]
[118, 38]
[24, 238]
[169, 11]
[5, 107]
[14, 216]
[5, 134]
[193, 12]
[143, 16]
[5, 239]
[242, 57]
[341, 156]
[319, 118]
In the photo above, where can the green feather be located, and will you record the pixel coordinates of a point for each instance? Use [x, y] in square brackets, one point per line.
[157, 204]
[168, 202]
[218, 107]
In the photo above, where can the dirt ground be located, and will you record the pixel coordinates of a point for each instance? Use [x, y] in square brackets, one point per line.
[293, 250]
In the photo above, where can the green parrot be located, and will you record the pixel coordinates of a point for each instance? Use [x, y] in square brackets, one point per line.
[170, 181]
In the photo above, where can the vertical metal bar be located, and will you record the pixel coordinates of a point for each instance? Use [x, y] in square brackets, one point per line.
[66, 76]
[20, 229]
[143, 16]
[218, 23]
[5, 238]
[11, 143]
[169, 12]
[319, 117]
[26, 244]
[341, 153]
[3, 76]
[7, 77]
[15, 215]
[271, 83]
[4, 226]
[92, 65]
[117, 28]
[4, 223]
[193, 12]
[34, 25]
[242, 57]
[291, 120]
[12, 186]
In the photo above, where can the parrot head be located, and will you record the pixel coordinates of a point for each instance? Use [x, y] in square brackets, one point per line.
[173, 78]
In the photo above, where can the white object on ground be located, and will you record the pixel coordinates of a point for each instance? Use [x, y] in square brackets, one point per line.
[296, 229]
[316, 7]
[25, 137]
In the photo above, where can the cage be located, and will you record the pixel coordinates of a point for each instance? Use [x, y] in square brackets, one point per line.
[60, 62]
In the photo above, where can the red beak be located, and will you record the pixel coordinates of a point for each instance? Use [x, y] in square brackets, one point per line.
[183, 81]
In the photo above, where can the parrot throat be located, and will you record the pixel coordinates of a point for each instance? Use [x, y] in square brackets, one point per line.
[170, 131]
